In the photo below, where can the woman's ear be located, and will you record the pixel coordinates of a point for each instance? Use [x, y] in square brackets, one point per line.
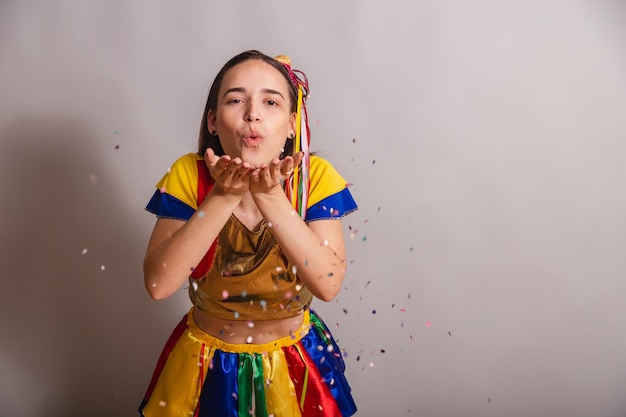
[292, 125]
[211, 122]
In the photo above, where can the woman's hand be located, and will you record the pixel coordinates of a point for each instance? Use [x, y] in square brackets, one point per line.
[232, 176]
[268, 179]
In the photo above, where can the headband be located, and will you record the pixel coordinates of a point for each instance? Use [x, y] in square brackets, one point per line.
[298, 184]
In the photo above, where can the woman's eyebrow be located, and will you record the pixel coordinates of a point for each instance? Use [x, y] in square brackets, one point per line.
[243, 90]
[272, 91]
[234, 90]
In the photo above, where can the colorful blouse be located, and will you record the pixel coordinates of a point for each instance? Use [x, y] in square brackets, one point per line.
[245, 274]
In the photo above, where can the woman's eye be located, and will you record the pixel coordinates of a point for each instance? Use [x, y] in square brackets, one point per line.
[271, 102]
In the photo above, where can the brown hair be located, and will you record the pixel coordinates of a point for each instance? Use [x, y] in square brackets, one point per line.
[205, 138]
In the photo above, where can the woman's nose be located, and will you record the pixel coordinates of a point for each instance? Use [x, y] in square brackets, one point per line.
[252, 113]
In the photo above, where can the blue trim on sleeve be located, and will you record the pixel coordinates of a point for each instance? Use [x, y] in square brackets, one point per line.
[166, 206]
[334, 206]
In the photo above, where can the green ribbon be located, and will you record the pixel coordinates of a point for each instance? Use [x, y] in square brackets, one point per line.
[251, 385]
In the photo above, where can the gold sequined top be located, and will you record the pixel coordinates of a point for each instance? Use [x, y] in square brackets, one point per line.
[250, 279]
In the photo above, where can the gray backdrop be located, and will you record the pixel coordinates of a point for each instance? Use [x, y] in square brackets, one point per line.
[485, 144]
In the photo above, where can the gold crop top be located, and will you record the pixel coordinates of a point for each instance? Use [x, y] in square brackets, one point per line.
[250, 279]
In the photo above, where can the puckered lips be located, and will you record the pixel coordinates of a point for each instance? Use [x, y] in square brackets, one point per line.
[252, 138]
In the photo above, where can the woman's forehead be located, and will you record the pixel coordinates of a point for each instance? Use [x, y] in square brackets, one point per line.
[254, 73]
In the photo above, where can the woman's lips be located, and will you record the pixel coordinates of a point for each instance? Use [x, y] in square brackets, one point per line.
[252, 140]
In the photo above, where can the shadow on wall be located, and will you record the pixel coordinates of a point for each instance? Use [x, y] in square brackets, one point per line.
[75, 320]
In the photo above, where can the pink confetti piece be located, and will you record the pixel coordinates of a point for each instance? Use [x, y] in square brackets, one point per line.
[427, 324]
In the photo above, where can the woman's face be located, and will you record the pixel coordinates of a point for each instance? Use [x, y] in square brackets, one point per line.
[253, 116]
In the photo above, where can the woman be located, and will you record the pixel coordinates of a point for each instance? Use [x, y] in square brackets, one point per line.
[256, 229]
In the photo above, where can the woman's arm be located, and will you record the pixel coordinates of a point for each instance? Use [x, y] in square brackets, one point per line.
[176, 246]
[316, 249]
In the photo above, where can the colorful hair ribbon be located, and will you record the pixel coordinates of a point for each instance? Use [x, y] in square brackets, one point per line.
[298, 184]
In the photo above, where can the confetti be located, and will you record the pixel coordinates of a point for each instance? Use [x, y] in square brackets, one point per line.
[427, 324]
[84, 251]
[93, 179]
[194, 285]
[364, 238]
[117, 146]
[162, 403]
[102, 267]
[200, 213]
[373, 311]
[163, 190]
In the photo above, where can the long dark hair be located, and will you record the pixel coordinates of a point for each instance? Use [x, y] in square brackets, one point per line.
[205, 138]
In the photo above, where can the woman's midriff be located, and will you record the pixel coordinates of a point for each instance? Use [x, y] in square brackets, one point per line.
[247, 331]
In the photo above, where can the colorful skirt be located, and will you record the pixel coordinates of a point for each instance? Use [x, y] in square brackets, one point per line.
[199, 375]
